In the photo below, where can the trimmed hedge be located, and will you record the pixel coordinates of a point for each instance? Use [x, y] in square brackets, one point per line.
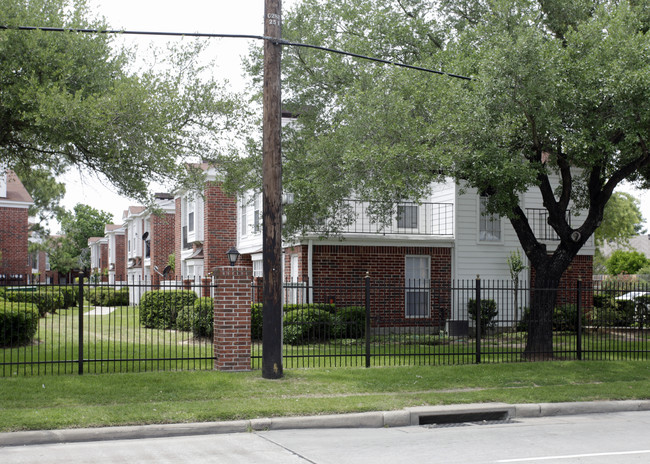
[159, 308]
[307, 325]
[256, 314]
[197, 318]
[107, 296]
[349, 322]
[69, 294]
[46, 302]
[18, 323]
[344, 322]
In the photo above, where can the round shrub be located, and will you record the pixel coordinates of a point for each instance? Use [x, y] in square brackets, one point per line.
[159, 308]
[68, 293]
[349, 322]
[564, 318]
[307, 325]
[18, 324]
[488, 312]
[197, 318]
[107, 296]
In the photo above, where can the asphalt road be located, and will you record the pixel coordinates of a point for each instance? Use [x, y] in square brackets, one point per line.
[622, 437]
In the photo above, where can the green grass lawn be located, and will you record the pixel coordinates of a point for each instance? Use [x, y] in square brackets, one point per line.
[53, 402]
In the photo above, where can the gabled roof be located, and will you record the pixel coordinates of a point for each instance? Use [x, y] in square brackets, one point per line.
[16, 191]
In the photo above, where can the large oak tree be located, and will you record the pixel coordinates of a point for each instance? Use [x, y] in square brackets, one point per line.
[558, 90]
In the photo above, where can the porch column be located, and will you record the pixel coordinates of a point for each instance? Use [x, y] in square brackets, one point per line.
[232, 318]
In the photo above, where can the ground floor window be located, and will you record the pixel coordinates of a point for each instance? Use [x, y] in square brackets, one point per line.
[417, 286]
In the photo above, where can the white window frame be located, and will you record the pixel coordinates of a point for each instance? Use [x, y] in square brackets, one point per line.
[417, 285]
[243, 220]
[257, 214]
[190, 215]
[258, 268]
[488, 224]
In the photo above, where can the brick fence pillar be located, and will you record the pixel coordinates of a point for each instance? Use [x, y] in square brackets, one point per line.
[232, 318]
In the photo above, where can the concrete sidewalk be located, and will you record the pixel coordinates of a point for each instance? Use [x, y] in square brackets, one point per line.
[401, 418]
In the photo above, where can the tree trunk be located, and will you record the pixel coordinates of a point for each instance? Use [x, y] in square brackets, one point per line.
[539, 345]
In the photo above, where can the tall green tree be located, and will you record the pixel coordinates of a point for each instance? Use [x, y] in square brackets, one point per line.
[83, 222]
[622, 220]
[71, 99]
[558, 101]
[69, 249]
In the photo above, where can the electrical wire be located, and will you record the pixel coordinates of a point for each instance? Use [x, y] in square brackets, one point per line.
[233, 36]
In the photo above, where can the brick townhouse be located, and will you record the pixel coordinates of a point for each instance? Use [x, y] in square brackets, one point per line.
[14, 229]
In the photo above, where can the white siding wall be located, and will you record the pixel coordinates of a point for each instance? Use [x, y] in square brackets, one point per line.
[248, 239]
[473, 257]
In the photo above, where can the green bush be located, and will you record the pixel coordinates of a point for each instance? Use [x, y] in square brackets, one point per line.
[642, 310]
[197, 318]
[68, 293]
[18, 323]
[564, 318]
[46, 302]
[604, 317]
[329, 307]
[107, 296]
[306, 325]
[159, 308]
[349, 322]
[624, 313]
[256, 321]
[488, 312]
[256, 314]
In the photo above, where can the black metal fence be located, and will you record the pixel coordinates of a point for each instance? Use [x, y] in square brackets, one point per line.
[131, 326]
[371, 323]
[143, 326]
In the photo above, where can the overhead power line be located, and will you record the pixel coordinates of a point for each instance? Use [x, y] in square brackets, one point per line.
[234, 36]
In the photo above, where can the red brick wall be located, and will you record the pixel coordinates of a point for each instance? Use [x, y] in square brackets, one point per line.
[339, 266]
[232, 318]
[178, 221]
[43, 273]
[120, 257]
[163, 242]
[220, 226]
[14, 228]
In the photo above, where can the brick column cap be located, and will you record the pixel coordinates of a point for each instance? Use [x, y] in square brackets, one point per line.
[233, 271]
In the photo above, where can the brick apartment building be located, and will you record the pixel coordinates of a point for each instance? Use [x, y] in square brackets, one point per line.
[14, 229]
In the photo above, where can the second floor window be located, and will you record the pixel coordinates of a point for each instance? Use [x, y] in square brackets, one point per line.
[489, 223]
[190, 214]
[407, 217]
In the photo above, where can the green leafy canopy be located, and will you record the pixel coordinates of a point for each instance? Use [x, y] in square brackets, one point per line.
[73, 100]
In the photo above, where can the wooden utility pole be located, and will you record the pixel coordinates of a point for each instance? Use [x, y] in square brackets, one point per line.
[272, 195]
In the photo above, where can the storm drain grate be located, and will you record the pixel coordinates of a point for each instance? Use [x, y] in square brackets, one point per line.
[466, 418]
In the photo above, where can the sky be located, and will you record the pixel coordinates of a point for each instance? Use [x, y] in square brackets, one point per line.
[208, 16]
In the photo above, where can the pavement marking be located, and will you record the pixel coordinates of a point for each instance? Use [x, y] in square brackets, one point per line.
[574, 456]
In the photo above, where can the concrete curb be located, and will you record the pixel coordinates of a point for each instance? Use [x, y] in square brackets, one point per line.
[378, 419]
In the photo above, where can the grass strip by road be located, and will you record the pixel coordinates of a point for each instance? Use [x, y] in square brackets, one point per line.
[55, 402]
